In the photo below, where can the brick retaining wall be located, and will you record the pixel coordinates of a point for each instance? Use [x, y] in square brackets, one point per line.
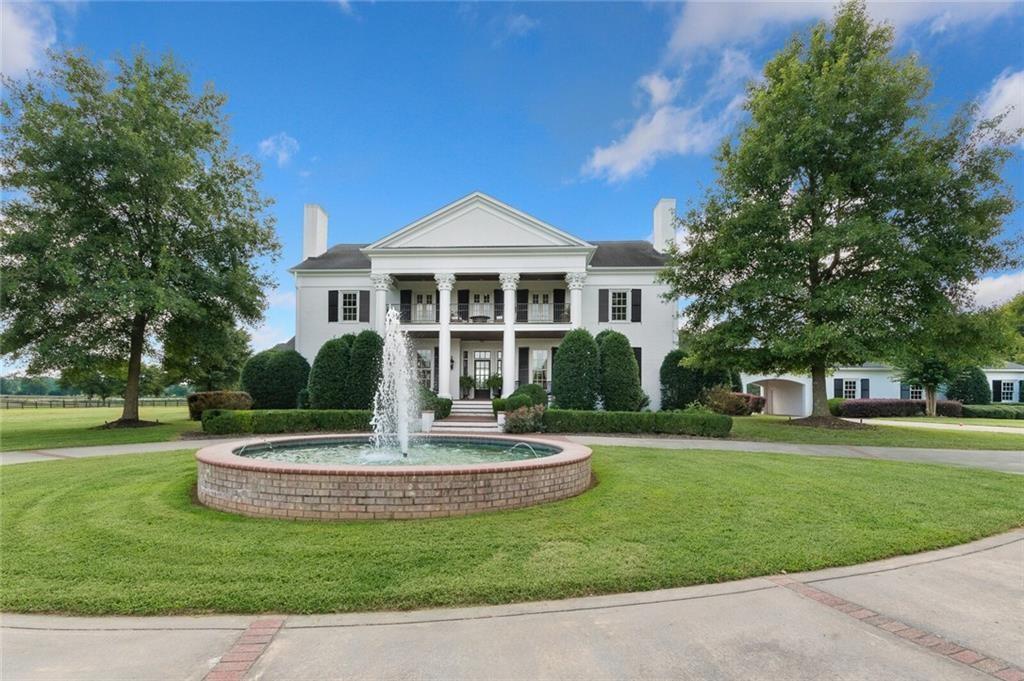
[271, 489]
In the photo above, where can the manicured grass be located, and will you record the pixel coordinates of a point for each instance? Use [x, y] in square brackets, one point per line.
[122, 535]
[762, 428]
[1009, 423]
[76, 427]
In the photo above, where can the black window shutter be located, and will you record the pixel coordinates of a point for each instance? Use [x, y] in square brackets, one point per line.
[364, 306]
[638, 353]
[332, 306]
[602, 305]
[837, 387]
[463, 311]
[865, 388]
[437, 365]
[635, 295]
[559, 305]
[524, 366]
[522, 305]
[437, 305]
[499, 304]
[997, 391]
[904, 391]
[1020, 391]
[405, 307]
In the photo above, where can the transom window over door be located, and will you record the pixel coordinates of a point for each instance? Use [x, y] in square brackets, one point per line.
[619, 306]
[849, 389]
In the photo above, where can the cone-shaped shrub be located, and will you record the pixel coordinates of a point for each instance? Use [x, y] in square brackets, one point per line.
[364, 370]
[273, 378]
[683, 385]
[620, 375]
[970, 387]
[574, 376]
[328, 377]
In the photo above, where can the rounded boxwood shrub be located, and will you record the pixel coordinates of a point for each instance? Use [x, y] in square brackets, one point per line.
[970, 387]
[364, 369]
[574, 376]
[328, 377]
[274, 378]
[216, 399]
[536, 393]
[620, 375]
[681, 385]
[517, 401]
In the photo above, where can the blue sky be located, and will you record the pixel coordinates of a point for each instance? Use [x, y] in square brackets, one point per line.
[581, 114]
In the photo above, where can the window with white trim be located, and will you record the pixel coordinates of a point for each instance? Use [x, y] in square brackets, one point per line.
[916, 392]
[424, 367]
[349, 306]
[619, 306]
[1007, 391]
[849, 389]
[540, 367]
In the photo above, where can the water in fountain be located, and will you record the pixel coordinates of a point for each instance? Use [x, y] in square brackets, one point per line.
[396, 403]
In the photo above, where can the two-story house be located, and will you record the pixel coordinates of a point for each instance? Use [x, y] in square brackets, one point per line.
[486, 289]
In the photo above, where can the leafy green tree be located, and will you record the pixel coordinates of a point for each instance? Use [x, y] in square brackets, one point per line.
[949, 344]
[33, 385]
[152, 380]
[620, 374]
[176, 390]
[841, 217]
[328, 379]
[970, 387]
[364, 369]
[683, 384]
[205, 353]
[129, 209]
[574, 375]
[100, 379]
[1014, 314]
[274, 378]
[9, 385]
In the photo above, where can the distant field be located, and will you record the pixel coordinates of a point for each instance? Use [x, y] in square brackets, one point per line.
[77, 427]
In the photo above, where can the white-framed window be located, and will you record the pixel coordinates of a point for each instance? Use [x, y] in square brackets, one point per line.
[1007, 391]
[916, 392]
[849, 389]
[619, 303]
[349, 306]
[498, 364]
[424, 368]
[539, 368]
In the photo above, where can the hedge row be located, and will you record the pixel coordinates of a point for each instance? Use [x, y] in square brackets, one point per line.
[858, 409]
[441, 406]
[994, 411]
[670, 422]
[216, 399]
[226, 422]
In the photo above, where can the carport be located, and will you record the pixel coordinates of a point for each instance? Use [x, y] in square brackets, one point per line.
[784, 397]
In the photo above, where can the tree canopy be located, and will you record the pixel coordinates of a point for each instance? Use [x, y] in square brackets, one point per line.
[129, 210]
[206, 353]
[842, 215]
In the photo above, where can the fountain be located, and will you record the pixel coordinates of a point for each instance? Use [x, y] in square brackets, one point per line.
[396, 403]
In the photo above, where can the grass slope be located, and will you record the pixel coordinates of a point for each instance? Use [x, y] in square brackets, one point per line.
[76, 427]
[764, 428]
[121, 534]
[949, 421]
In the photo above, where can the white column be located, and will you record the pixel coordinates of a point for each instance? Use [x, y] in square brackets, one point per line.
[575, 281]
[509, 360]
[381, 284]
[444, 336]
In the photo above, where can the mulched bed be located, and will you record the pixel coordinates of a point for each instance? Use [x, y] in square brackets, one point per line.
[829, 422]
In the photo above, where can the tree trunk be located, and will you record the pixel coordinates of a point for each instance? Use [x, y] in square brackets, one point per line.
[930, 400]
[131, 391]
[819, 395]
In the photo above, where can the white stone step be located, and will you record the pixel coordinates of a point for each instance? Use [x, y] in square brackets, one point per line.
[464, 427]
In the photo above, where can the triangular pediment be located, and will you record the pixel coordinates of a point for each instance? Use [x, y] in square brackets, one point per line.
[478, 221]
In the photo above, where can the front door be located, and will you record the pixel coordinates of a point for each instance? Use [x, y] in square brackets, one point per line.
[482, 372]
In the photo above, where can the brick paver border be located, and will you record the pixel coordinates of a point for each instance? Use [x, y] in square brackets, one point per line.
[993, 666]
[235, 663]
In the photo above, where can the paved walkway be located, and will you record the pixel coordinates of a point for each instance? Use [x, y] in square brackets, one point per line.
[944, 426]
[101, 450]
[1004, 461]
[949, 614]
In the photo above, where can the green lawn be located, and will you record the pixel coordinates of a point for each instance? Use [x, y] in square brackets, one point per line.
[122, 535]
[763, 428]
[76, 427]
[1009, 423]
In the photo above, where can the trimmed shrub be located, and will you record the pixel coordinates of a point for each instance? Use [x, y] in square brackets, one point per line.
[723, 401]
[670, 422]
[429, 401]
[303, 400]
[525, 420]
[498, 405]
[518, 401]
[263, 422]
[884, 407]
[683, 385]
[329, 376]
[970, 387]
[994, 411]
[755, 403]
[535, 392]
[834, 405]
[620, 375]
[274, 378]
[364, 369]
[216, 399]
[574, 375]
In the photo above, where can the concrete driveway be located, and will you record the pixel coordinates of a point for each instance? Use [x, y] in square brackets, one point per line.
[950, 614]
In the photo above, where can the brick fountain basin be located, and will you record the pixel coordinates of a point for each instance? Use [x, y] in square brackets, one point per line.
[266, 488]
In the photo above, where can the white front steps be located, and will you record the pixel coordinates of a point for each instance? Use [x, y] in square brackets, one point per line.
[468, 416]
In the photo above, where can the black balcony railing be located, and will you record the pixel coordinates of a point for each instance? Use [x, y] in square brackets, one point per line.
[486, 313]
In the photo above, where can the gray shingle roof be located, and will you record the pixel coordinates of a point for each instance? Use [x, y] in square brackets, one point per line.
[338, 257]
[626, 254]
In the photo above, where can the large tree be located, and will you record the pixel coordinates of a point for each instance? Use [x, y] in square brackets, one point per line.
[130, 210]
[842, 216]
[207, 354]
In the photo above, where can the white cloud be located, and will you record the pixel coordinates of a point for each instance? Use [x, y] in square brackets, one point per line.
[660, 88]
[998, 289]
[280, 147]
[514, 26]
[26, 32]
[284, 299]
[345, 6]
[267, 335]
[1006, 94]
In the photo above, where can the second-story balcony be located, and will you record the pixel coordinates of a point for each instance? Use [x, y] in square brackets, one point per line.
[485, 313]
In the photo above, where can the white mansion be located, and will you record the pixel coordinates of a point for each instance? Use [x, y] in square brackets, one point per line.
[486, 289]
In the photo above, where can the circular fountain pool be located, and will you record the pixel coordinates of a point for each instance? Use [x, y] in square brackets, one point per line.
[337, 477]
